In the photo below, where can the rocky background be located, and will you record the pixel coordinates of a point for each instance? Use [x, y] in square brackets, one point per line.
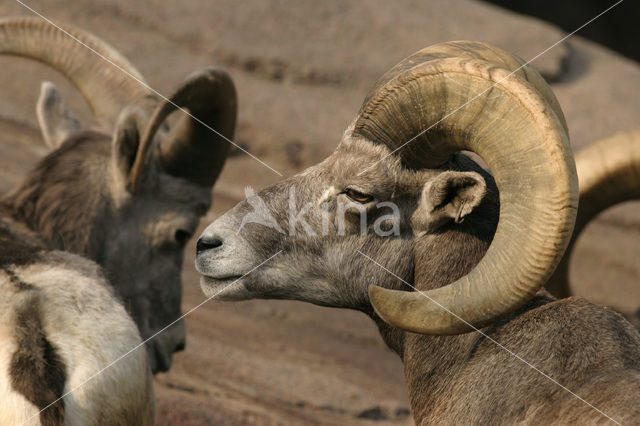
[302, 69]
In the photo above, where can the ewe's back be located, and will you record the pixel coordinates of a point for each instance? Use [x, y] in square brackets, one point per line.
[60, 323]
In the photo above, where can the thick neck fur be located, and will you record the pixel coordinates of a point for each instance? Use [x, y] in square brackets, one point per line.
[441, 258]
[61, 199]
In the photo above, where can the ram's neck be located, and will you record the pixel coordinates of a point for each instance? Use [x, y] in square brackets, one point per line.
[432, 363]
[62, 198]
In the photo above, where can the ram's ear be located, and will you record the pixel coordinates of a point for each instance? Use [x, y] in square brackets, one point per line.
[126, 139]
[448, 197]
[57, 122]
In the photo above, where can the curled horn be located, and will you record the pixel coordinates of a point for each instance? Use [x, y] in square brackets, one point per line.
[468, 97]
[194, 149]
[107, 89]
[609, 173]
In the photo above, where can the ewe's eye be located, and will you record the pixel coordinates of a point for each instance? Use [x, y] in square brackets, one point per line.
[358, 197]
[181, 236]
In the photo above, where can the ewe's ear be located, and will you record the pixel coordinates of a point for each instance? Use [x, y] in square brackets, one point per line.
[450, 196]
[126, 138]
[56, 120]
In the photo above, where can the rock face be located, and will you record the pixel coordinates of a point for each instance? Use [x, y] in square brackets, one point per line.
[616, 29]
[302, 69]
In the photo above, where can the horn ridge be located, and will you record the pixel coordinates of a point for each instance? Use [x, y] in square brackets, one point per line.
[191, 149]
[521, 136]
[75, 55]
[609, 174]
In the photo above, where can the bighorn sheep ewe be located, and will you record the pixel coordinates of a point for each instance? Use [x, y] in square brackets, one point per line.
[129, 201]
[609, 174]
[476, 257]
[61, 324]
[128, 198]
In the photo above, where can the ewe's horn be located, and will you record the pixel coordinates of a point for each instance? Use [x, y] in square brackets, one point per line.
[107, 89]
[609, 173]
[465, 91]
[192, 150]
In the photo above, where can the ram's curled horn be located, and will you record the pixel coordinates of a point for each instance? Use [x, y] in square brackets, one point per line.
[472, 96]
[396, 124]
[195, 148]
[609, 174]
[95, 68]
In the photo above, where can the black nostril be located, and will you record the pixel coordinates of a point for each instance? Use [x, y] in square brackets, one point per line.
[205, 244]
[180, 346]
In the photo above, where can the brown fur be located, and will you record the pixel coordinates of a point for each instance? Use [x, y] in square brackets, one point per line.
[36, 370]
[61, 197]
[17, 246]
[13, 253]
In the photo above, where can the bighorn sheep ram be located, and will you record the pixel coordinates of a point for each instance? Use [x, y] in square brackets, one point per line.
[128, 200]
[476, 257]
[609, 174]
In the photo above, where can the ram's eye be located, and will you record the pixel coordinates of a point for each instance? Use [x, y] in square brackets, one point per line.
[358, 197]
[181, 236]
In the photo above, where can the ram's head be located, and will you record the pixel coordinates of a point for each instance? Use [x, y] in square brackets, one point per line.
[396, 193]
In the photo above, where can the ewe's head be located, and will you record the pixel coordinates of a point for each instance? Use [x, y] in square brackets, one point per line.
[375, 199]
[131, 198]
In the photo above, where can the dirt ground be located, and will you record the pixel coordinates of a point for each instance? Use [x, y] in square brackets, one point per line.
[301, 69]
